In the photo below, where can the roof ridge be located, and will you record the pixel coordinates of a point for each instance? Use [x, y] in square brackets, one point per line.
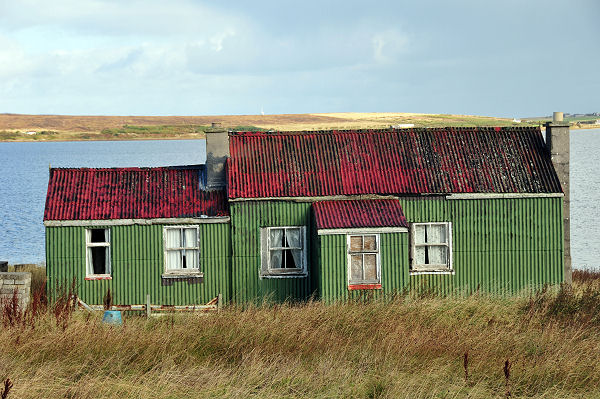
[276, 133]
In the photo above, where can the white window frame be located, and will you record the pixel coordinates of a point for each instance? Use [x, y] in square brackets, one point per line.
[266, 270]
[190, 271]
[349, 254]
[89, 267]
[431, 269]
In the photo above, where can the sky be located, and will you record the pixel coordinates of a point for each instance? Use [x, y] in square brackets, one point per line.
[510, 58]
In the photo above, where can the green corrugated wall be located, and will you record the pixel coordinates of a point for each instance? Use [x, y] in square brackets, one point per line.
[137, 265]
[332, 271]
[247, 218]
[499, 246]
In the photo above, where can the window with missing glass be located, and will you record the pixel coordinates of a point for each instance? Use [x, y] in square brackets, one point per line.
[97, 242]
[182, 252]
[363, 260]
[283, 251]
[431, 249]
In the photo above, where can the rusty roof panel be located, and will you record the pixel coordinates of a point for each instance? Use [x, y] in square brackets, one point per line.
[131, 193]
[407, 161]
[359, 213]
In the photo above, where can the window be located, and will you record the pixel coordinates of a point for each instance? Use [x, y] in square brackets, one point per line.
[283, 251]
[97, 254]
[181, 250]
[431, 247]
[364, 269]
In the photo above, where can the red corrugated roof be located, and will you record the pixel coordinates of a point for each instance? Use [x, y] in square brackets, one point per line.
[407, 161]
[359, 213]
[131, 193]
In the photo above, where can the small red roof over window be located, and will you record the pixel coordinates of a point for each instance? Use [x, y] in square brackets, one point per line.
[390, 162]
[359, 213]
[131, 193]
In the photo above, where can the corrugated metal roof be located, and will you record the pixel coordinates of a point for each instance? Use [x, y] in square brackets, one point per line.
[131, 193]
[407, 161]
[359, 213]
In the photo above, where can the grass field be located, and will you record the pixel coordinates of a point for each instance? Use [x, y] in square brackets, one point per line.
[407, 347]
[60, 127]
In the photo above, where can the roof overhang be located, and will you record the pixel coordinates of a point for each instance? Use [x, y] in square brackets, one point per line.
[127, 222]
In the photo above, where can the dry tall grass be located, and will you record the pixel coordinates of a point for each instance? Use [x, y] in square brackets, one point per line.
[406, 348]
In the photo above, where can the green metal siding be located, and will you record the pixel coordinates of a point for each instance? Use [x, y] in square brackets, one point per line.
[137, 263]
[247, 219]
[333, 271]
[499, 246]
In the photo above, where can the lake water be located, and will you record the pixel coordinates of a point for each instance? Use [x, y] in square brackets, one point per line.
[24, 179]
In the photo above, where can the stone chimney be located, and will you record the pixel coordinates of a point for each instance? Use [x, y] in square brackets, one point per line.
[217, 152]
[557, 142]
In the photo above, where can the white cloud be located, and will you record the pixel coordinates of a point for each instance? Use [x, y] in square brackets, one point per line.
[389, 45]
[13, 60]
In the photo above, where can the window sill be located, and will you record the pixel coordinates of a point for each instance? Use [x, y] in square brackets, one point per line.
[284, 275]
[353, 287]
[98, 277]
[419, 272]
[182, 274]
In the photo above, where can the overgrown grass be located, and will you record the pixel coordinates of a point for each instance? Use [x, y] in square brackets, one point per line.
[409, 348]
[153, 130]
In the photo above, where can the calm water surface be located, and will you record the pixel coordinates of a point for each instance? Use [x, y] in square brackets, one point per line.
[24, 179]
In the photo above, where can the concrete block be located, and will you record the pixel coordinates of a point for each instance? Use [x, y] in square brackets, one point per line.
[15, 275]
[6, 291]
[21, 282]
[7, 281]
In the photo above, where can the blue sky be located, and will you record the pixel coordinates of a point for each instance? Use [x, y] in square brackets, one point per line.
[146, 57]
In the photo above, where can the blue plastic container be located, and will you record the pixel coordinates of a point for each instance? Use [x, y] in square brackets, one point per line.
[112, 317]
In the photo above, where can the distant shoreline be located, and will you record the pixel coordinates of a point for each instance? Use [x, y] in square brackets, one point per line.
[64, 128]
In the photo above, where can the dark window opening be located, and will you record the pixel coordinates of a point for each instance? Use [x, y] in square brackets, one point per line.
[98, 235]
[288, 260]
[98, 251]
[99, 260]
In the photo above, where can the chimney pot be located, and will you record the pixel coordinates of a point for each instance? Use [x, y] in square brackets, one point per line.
[557, 117]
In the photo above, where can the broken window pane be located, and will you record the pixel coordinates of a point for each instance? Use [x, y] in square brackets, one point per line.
[289, 261]
[98, 259]
[97, 235]
[97, 252]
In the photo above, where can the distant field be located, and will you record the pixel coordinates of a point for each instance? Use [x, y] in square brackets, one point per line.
[14, 127]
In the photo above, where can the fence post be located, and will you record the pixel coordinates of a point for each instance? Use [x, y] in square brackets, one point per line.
[148, 306]
[219, 302]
